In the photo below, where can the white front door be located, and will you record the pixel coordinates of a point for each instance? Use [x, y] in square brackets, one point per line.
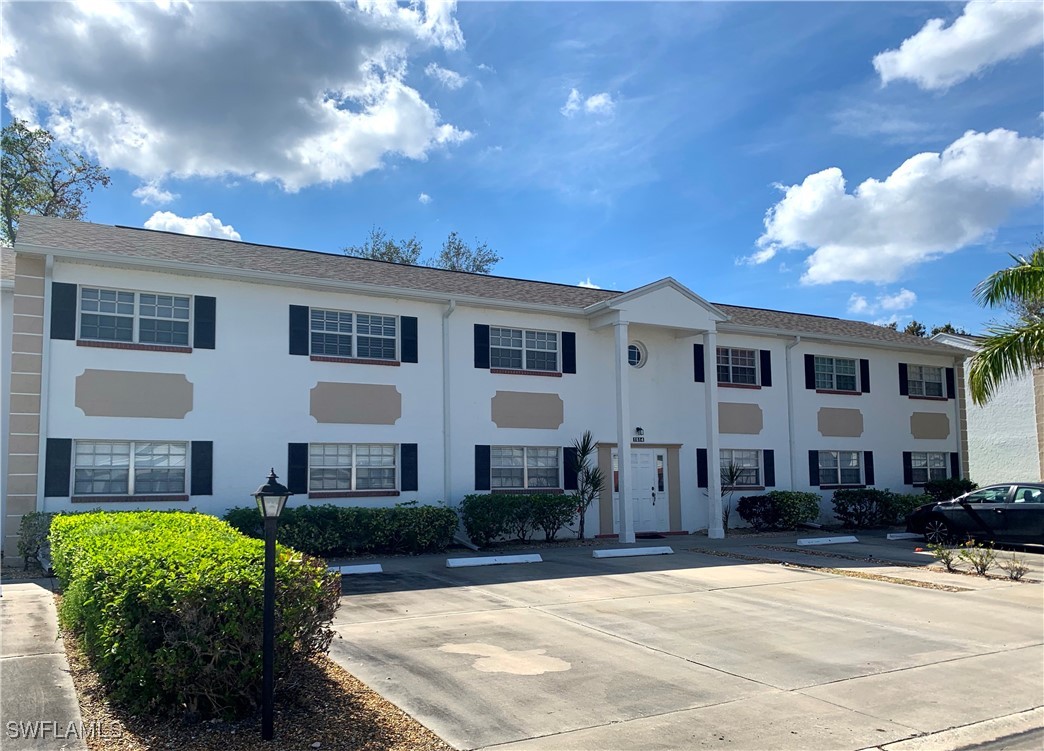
[648, 491]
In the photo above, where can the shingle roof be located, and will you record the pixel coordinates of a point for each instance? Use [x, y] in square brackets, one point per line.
[154, 245]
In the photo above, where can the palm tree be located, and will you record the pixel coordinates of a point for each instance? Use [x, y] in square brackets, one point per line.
[1010, 349]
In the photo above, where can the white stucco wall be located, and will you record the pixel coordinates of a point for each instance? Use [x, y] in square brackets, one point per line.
[1002, 435]
[6, 322]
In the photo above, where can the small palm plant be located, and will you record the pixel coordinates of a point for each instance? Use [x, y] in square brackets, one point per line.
[590, 479]
[730, 477]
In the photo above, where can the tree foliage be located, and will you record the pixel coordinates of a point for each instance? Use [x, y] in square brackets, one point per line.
[456, 254]
[36, 177]
[589, 477]
[1010, 349]
[948, 328]
[915, 328]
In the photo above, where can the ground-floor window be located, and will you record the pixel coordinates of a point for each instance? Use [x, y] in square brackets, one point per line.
[351, 466]
[840, 468]
[747, 461]
[129, 467]
[928, 465]
[523, 467]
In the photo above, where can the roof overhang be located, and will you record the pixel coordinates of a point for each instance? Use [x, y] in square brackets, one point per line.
[666, 303]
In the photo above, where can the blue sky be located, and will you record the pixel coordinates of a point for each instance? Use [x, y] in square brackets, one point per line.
[724, 144]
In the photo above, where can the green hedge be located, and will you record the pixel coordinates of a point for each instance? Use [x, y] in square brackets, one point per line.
[336, 531]
[488, 517]
[944, 490]
[866, 508]
[779, 509]
[168, 607]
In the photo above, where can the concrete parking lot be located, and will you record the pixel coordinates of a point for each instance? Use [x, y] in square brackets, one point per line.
[698, 650]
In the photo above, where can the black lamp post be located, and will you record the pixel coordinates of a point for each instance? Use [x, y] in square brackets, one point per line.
[271, 497]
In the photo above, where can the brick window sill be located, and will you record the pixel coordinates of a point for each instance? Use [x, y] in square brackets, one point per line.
[354, 494]
[738, 385]
[928, 398]
[353, 360]
[527, 491]
[842, 393]
[842, 487]
[512, 371]
[129, 499]
[133, 345]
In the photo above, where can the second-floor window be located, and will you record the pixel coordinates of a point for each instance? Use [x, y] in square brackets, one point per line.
[336, 333]
[522, 349]
[738, 366]
[924, 380]
[835, 373]
[113, 315]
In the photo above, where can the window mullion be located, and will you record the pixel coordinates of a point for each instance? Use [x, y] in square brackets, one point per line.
[130, 478]
[355, 474]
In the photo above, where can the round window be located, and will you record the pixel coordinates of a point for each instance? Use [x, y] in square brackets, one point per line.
[636, 355]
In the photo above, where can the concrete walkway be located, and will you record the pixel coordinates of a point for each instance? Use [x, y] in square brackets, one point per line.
[38, 705]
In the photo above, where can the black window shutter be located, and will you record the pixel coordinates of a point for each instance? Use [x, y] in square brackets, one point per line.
[58, 465]
[769, 457]
[698, 374]
[766, 367]
[408, 343]
[204, 325]
[482, 354]
[297, 468]
[868, 467]
[568, 352]
[482, 466]
[569, 460]
[907, 468]
[408, 458]
[810, 377]
[813, 466]
[202, 468]
[63, 313]
[951, 386]
[299, 331]
[864, 376]
[702, 481]
[904, 381]
[955, 464]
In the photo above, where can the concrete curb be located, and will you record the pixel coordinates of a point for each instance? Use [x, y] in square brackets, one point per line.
[827, 540]
[630, 552]
[493, 560]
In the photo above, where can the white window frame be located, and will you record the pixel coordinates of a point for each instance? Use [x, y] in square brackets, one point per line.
[729, 364]
[135, 316]
[833, 374]
[354, 466]
[132, 467]
[838, 467]
[525, 349]
[353, 333]
[730, 455]
[918, 385]
[525, 467]
[924, 459]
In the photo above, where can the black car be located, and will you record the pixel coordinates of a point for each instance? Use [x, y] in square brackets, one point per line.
[1011, 512]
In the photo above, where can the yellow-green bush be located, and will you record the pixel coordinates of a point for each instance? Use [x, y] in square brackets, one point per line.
[168, 607]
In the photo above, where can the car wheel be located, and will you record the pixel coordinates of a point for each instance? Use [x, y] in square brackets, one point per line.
[937, 531]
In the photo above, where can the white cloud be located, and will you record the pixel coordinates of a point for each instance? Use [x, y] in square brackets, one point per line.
[931, 205]
[204, 225]
[588, 284]
[424, 198]
[448, 78]
[901, 300]
[295, 93]
[151, 194]
[597, 104]
[857, 305]
[939, 56]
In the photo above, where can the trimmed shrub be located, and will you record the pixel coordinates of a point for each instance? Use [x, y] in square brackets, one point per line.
[778, 509]
[518, 516]
[862, 508]
[901, 504]
[552, 512]
[32, 537]
[489, 516]
[944, 490]
[332, 531]
[484, 518]
[168, 607]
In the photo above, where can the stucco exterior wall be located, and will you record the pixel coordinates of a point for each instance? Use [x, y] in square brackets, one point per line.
[1002, 435]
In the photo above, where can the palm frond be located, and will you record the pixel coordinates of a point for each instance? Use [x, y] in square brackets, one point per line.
[1022, 281]
[1007, 352]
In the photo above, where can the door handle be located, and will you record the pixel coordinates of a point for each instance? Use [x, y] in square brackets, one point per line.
[653, 495]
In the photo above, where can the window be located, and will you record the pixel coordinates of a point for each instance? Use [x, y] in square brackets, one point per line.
[835, 373]
[145, 318]
[129, 468]
[924, 380]
[350, 467]
[737, 366]
[840, 467]
[928, 465]
[636, 355]
[747, 461]
[368, 336]
[519, 349]
[1025, 494]
[524, 467]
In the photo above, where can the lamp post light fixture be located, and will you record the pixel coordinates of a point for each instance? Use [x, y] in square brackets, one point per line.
[271, 497]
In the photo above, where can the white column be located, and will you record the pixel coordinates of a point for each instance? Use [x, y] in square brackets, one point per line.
[623, 433]
[710, 389]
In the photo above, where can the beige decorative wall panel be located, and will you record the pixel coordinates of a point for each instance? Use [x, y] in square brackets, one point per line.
[126, 393]
[744, 419]
[523, 409]
[844, 423]
[355, 403]
[929, 425]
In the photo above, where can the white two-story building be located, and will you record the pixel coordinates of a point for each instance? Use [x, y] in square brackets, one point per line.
[156, 370]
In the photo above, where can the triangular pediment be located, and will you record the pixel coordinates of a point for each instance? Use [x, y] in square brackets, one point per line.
[666, 303]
